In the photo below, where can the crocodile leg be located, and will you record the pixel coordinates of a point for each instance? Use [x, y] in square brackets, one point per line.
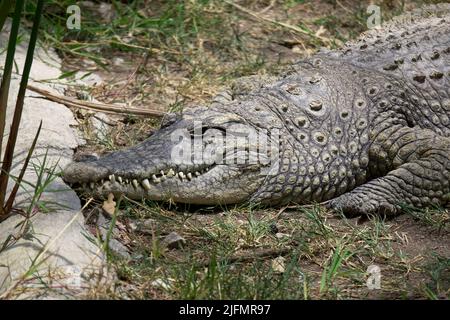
[416, 167]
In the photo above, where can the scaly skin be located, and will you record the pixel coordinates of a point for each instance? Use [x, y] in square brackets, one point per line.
[366, 127]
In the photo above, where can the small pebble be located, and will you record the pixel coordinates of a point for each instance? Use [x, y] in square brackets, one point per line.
[278, 265]
[174, 241]
[273, 228]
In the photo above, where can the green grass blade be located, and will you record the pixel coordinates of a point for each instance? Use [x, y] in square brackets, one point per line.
[13, 193]
[4, 88]
[12, 138]
[5, 8]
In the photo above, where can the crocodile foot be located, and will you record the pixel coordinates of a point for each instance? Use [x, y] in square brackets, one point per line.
[357, 204]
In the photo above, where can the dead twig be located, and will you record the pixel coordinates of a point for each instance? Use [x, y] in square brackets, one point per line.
[344, 7]
[270, 6]
[104, 107]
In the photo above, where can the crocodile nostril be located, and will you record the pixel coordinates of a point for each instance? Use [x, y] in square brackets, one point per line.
[86, 157]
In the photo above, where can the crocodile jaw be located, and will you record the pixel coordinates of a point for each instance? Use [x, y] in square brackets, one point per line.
[218, 184]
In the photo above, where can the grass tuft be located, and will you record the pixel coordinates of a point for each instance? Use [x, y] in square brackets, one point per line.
[5, 209]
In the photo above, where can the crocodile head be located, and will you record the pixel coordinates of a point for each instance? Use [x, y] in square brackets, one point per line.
[203, 156]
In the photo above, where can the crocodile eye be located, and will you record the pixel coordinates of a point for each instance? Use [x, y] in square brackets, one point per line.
[315, 79]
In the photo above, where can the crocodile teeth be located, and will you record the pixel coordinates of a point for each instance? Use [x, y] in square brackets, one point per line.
[127, 181]
[155, 179]
[146, 184]
[120, 179]
[162, 172]
[198, 174]
[170, 173]
[112, 178]
[181, 175]
[135, 183]
[92, 185]
[189, 176]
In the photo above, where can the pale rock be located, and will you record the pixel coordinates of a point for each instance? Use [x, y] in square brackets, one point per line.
[174, 241]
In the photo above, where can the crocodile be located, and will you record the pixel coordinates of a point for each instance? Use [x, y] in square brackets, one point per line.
[363, 129]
